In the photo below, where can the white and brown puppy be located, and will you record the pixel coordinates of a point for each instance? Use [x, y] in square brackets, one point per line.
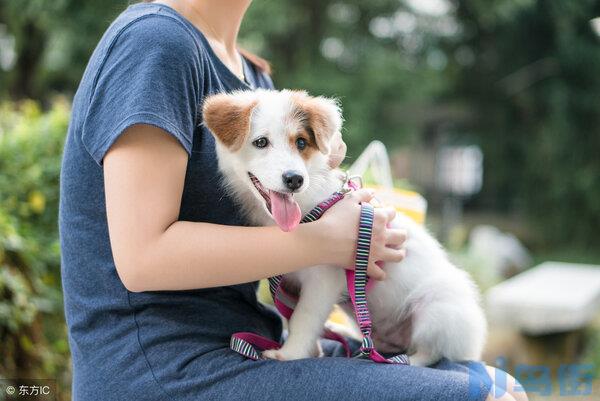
[273, 150]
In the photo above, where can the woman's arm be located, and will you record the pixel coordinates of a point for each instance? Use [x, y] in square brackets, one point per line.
[144, 174]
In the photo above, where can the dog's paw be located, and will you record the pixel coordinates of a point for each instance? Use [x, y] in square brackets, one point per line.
[274, 354]
[318, 353]
[287, 354]
[422, 359]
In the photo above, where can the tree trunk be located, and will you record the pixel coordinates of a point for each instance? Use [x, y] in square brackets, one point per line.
[30, 46]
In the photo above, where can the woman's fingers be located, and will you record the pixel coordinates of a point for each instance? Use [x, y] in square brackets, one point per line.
[386, 242]
[395, 237]
[388, 255]
[393, 255]
[375, 272]
[389, 213]
[382, 218]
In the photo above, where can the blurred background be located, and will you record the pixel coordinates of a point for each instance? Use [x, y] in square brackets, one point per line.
[489, 109]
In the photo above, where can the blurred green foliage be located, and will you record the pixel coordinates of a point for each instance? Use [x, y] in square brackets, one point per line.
[534, 92]
[32, 335]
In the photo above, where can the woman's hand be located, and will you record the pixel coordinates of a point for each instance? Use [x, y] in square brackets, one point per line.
[338, 232]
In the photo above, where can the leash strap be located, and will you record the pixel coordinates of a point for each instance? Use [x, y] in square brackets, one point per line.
[249, 344]
[357, 281]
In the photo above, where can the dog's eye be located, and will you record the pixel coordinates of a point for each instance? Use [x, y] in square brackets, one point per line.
[261, 142]
[301, 143]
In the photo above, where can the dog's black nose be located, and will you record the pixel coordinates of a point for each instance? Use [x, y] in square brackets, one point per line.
[292, 180]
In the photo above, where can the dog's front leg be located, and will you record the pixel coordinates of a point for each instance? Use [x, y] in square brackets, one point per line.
[321, 289]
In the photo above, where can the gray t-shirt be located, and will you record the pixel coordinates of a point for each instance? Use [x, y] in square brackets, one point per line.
[150, 67]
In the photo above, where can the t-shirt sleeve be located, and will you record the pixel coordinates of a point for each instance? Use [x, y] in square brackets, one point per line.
[151, 74]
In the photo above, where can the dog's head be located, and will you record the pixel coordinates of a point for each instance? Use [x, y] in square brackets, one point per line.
[272, 141]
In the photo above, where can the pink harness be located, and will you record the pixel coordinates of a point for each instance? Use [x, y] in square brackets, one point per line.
[251, 345]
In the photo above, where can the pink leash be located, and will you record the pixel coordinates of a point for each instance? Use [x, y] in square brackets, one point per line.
[251, 345]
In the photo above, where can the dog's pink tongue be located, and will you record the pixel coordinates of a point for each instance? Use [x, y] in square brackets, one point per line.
[285, 211]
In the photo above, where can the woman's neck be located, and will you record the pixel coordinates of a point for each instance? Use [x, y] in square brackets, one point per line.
[219, 21]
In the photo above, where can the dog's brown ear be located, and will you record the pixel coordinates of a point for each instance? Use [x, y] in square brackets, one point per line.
[321, 115]
[227, 116]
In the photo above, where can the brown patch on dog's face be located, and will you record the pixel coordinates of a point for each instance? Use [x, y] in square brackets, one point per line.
[228, 118]
[320, 117]
[311, 144]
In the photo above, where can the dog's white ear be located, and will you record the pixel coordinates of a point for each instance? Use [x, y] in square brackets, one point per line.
[227, 116]
[322, 115]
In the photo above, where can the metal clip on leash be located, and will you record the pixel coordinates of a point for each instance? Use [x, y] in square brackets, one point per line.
[350, 183]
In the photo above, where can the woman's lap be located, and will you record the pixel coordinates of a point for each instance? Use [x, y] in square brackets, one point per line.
[335, 378]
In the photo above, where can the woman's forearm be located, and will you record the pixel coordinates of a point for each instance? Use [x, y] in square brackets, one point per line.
[144, 174]
[198, 255]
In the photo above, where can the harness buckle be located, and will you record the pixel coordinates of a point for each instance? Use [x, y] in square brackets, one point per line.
[351, 182]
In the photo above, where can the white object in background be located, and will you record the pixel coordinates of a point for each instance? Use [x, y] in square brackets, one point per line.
[595, 24]
[502, 252]
[460, 170]
[550, 298]
[376, 157]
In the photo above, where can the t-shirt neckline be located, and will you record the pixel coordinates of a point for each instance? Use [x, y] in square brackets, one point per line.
[228, 74]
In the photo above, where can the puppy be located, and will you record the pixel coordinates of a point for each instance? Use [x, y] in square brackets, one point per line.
[272, 148]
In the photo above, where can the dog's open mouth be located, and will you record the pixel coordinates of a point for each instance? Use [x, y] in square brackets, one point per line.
[282, 206]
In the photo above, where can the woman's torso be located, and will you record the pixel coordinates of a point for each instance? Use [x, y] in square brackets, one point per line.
[121, 341]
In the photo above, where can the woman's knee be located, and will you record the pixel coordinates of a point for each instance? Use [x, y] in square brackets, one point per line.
[505, 384]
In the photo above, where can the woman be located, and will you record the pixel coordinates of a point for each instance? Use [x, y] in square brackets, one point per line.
[158, 268]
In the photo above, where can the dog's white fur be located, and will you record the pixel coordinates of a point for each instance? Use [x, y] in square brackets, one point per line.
[426, 305]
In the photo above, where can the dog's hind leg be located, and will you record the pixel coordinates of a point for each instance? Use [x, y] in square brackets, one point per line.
[455, 330]
[321, 289]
